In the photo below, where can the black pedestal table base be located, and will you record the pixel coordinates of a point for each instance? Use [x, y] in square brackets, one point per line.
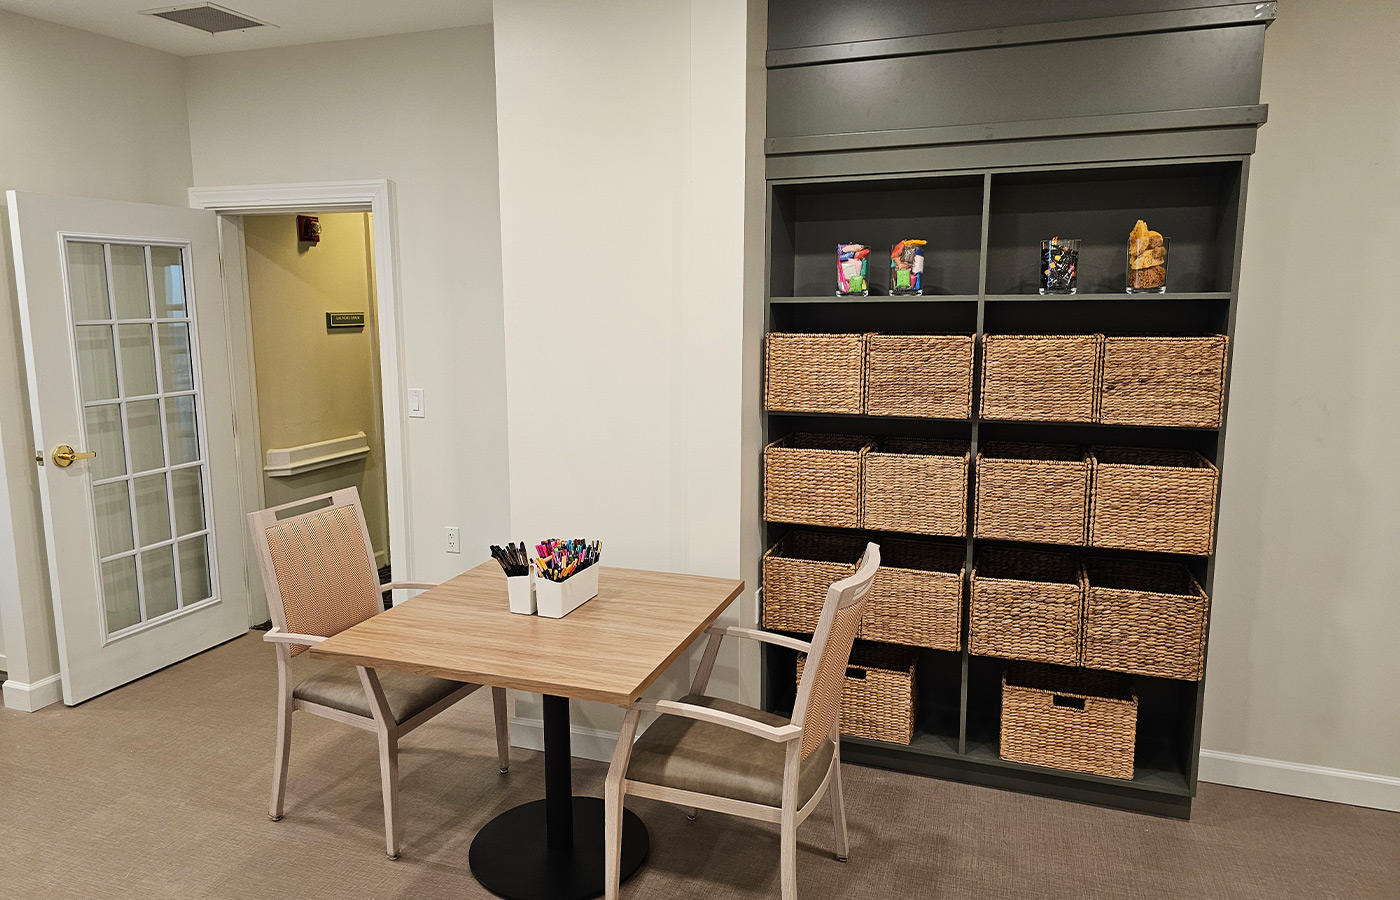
[552, 849]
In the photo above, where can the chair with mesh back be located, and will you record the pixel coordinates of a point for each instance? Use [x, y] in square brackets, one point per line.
[716, 754]
[318, 568]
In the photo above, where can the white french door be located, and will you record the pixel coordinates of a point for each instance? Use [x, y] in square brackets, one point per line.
[121, 306]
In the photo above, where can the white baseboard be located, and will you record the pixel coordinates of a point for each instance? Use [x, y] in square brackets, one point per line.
[1301, 780]
[586, 743]
[32, 697]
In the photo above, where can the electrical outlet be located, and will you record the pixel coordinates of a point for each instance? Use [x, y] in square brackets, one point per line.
[454, 539]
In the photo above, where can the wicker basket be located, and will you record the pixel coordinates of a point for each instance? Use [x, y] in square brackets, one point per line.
[1158, 500]
[1032, 492]
[822, 373]
[1145, 618]
[1163, 381]
[1080, 721]
[916, 599]
[926, 375]
[813, 479]
[879, 698]
[1040, 378]
[914, 486]
[1026, 605]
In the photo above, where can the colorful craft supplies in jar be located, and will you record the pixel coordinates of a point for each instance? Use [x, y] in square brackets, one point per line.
[852, 270]
[1059, 266]
[907, 268]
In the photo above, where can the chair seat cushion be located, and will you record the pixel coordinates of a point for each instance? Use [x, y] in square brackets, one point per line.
[705, 758]
[339, 687]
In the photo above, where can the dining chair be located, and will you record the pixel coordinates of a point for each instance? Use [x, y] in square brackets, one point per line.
[318, 569]
[710, 753]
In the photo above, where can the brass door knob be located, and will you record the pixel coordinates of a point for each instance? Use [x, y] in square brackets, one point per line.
[64, 456]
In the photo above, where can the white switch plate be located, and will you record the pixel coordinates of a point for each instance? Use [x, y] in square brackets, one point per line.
[415, 403]
[454, 539]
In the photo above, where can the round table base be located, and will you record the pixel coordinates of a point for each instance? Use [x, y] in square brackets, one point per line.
[512, 859]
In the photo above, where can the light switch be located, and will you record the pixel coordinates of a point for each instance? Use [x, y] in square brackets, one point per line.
[415, 403]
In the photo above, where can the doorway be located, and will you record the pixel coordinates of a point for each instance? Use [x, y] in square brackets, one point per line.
[315, 355]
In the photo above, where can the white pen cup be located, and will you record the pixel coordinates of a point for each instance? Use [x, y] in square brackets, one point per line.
[522, 594]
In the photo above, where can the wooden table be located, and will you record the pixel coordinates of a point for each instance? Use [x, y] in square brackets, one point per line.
[610, 649]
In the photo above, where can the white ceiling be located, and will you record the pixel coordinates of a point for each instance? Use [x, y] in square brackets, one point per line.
[297, 21]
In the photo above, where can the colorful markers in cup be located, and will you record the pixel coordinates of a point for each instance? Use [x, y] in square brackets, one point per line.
[559, 559]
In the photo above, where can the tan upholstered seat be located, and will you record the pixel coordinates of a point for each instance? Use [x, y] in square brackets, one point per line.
[713, 759]
[339, 687]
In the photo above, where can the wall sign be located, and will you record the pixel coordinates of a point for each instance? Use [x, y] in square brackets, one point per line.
[345, 320]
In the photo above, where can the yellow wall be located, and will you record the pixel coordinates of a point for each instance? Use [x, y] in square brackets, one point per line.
[315, 384]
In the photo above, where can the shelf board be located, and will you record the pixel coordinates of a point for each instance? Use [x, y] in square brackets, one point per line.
[1072, 298]
[1181, 428]
[926, 298]
[1156, 776]
[858, 416]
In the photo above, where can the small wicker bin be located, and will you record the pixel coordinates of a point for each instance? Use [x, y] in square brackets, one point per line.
[916, 599]
[821, 373]
[927, 375]
[1144, 618]
[879, 699]
[913, 486]
[1077, 720]
[813, 479]
[1176, 381]
[1026, 604]
[1157, 500]
[1037, 493]
[1040, 378]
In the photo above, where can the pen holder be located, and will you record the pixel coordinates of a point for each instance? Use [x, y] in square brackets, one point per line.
[556, 599]
[522, 594]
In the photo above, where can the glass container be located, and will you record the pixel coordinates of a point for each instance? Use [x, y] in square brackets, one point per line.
[1059, 266]
[907, 268]
[852, 270]
[1147, 261]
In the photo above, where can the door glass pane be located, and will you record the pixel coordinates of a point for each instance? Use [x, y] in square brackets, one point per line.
[188, 489]
[97, 362]
[176, 368]
[182, 428]
[138, 360]
[168, 276]
[119, 593]
[129, 282]
[152, 509]
[158, 580]
[104, 437]
[143, 430]
[113, 511]
[194, 571]
[87, 281]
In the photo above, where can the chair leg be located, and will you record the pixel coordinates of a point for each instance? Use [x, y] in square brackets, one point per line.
[281, 758]
[498, 699]
[838, 811]
[788, 860]
[389, 776]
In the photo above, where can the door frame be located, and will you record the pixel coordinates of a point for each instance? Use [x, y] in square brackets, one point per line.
[377, 198]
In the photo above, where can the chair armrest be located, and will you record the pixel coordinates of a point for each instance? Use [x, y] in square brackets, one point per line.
[777, 733]
[766, 637]
[277, 636]
[407, 585]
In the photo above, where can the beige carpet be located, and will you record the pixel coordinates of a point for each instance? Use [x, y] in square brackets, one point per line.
[159, 790]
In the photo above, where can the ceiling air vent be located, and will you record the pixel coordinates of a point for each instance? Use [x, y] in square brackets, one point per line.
[206, 17]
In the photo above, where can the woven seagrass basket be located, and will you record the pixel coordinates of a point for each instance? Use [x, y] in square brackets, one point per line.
[822, 373]
[1032, 492]
[914, 486]
[1040, 377]
[927, 375]
[1176, 381]
[1026, 604]
[879, 698]
[1157, 500]
[813, 479]
[1077, 720]
[1144, 618]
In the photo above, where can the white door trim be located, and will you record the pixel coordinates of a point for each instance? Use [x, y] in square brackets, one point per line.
[377, 198]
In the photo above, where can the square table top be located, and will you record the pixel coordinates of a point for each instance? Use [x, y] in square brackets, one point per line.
[610, 649]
